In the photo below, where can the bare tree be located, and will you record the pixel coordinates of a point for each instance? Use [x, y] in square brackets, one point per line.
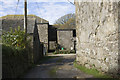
[65, 18]
[66, 21]
[70, 2]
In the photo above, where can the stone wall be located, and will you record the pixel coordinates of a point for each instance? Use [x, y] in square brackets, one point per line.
[43, 34]
[52, 45]
[97, 28]
[37, 45]
[65, 38]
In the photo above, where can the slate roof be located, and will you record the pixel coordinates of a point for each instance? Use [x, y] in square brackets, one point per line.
[14, 21]
[38, 19]
[63, 27]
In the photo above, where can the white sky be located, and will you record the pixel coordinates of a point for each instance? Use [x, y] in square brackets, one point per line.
[50, 10]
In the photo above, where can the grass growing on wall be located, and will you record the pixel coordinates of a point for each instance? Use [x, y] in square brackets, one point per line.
[93, 72]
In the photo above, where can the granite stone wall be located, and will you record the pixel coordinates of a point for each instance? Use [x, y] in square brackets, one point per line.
[43, 34]
[97, 28]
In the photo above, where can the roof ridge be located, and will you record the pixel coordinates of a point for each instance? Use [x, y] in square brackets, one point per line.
[22, 16]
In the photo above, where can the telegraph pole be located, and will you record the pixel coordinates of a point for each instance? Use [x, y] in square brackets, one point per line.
[25, 28]
[25, 18]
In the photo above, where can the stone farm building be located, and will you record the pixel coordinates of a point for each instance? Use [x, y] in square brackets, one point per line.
[64, 37]
[97, 38]
[37, 28]
[44, 36]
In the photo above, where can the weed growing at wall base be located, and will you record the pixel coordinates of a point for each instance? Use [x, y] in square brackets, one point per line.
[93, 72]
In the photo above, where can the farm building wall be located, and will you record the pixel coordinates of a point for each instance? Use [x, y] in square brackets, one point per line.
[65, 38]
[43, 34]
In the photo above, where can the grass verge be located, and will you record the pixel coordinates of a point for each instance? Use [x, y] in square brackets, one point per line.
[93, 72]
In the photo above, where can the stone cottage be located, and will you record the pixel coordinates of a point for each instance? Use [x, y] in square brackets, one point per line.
[97, 28]
[35, 26]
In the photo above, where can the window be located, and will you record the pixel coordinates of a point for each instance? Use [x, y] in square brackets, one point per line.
[74, 33]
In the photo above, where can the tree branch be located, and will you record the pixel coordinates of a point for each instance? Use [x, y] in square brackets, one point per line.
[70, 2]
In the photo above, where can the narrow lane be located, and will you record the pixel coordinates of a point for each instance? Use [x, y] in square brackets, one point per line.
[58, 67]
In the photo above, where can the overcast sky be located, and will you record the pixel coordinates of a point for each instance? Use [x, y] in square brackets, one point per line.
[50, 10]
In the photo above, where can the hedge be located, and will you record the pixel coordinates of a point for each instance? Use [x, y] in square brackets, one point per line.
[14, 61]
